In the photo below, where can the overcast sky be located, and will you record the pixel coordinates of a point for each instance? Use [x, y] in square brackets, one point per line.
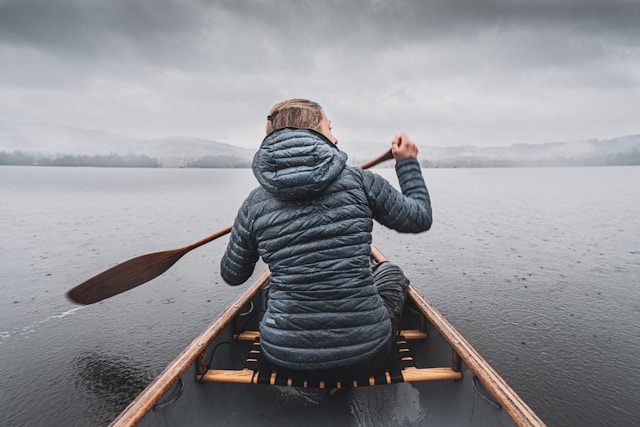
[481, 72]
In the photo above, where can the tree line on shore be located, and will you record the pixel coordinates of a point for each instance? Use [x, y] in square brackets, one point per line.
[631, 158]
[19, 158]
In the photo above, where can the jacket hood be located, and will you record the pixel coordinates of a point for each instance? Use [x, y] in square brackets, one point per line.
[295, 163]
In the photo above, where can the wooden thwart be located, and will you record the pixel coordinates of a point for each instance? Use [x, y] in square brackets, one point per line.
[406, 373]
[247, 376]
[409, 334]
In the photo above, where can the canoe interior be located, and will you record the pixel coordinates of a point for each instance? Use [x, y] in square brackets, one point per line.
[178, 397]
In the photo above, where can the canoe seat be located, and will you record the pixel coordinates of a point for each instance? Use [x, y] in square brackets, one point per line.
[400, 368]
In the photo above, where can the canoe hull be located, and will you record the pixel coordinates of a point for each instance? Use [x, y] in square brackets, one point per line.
[177, 397]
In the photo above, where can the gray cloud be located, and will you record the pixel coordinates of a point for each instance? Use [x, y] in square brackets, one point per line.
[449, 72]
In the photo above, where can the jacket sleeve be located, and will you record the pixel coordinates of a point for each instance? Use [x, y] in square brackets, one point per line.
[406, 212]
[241, 255]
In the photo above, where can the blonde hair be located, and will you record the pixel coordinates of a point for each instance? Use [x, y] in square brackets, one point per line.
[295, 112]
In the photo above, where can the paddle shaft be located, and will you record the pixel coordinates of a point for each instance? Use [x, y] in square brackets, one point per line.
[388, 155]
[141, 269]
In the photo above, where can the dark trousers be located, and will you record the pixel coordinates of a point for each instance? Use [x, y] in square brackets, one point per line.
[392, 287]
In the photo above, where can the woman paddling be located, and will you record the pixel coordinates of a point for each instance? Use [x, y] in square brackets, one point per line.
[329, 316]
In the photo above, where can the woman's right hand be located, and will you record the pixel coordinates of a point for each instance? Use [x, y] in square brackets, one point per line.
[402, 147]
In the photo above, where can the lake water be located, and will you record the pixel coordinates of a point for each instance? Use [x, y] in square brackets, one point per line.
[538, 268]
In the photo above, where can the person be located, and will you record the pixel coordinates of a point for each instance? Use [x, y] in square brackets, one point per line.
[329, 315]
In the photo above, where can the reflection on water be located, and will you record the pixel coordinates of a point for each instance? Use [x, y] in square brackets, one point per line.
[114, 381]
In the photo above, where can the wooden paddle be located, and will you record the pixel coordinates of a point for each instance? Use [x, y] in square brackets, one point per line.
[140, 270]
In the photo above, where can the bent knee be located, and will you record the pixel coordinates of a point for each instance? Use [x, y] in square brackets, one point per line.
[389, 272]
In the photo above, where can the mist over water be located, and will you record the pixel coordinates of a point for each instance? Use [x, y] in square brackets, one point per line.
[537, 268]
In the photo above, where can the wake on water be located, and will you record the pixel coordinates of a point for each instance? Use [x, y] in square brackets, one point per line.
[27, 331]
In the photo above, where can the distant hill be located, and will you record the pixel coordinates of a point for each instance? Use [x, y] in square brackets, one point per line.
[624, 150]
[46, 143]
[44, 140]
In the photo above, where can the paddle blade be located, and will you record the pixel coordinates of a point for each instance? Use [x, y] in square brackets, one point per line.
[125, 276]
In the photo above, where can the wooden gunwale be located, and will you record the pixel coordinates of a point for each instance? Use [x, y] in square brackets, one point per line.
[154, 391]
[517, 409]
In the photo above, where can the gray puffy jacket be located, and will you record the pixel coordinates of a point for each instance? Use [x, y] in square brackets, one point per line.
[310, 221]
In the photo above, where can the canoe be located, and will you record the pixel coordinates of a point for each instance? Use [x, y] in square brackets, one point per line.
[434, 377]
